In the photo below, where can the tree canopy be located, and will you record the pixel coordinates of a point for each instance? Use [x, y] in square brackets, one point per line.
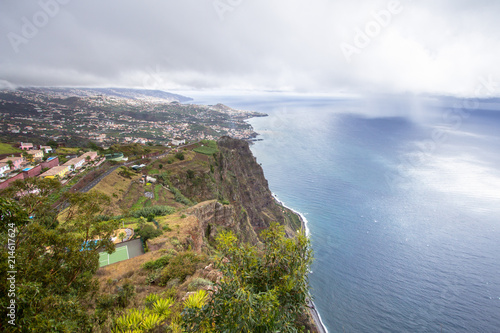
[263, 289]
[55, 263]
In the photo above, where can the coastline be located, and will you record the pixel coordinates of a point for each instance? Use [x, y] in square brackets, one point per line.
[312, 307]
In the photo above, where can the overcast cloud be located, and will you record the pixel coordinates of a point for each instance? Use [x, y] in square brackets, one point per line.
[439, 47]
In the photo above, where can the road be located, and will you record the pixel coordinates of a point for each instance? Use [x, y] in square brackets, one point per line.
[96, 181]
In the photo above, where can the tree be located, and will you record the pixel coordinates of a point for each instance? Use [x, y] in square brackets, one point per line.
[263, 290]
[52, 144]
[10, 164]
[82, 218]
[33, 194]
[25, 154]
[148, 232]
[122, 235]
[55, 266]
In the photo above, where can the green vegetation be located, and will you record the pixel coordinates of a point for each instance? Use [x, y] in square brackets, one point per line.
[55, 263]
[8, 149]
[208, 147]
[179, 156]
[179, 197]
[135, 150]
[154, 210]
[182, 265]
[259, 288]
[147, 320]
[126, 172]
[158, 263]
[148, 232]
[67, 151]
[262, 290]
[139, 204]
[199, 283]
[157, 191]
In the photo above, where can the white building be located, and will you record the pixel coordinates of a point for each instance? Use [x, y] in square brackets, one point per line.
[4, 168]
[178, 142]
[46, 149]
[75, 163]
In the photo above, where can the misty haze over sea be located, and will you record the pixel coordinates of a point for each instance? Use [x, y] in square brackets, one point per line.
[402, 196]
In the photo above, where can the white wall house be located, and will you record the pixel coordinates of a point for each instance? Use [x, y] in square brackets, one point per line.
[178, 141]
[4, 168]
[75, 163]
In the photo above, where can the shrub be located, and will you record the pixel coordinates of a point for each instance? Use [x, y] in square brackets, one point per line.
[199, 283]
[153, 276]
[173, 284]
[126, 173]
[179, 156]
[106, 302]
[153, 210]
[124, 293]
[151, 299]
[175, 242]
[179, 197]
[181, 266]
[148, 232]
[158, 263]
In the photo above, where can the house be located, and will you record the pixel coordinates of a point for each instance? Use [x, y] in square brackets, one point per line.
[46, 149]
[178, 141]
[4, 168]
[58, 171]
[150, 179]
[75, 163]
[26, 146]
[50, 162]
[35, 155]
[16, 161]
[32, 171]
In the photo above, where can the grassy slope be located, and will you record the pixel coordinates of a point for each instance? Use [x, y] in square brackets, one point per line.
[5, 148]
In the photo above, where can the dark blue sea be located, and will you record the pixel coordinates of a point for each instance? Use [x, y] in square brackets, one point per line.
[402, 198]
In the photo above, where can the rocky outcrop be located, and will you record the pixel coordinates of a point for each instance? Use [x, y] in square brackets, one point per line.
[212, 214]
[241, 181]
[237, 192]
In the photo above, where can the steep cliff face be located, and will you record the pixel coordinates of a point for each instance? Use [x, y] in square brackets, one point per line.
[233, 177]
[242, 182]
[212, 214]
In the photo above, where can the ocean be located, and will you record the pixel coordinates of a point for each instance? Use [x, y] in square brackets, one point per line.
[402, 199]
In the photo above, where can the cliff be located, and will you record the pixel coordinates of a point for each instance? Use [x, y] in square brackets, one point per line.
[221, 188]
[235, 179]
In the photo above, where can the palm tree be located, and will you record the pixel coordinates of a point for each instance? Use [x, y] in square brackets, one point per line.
[10, 164]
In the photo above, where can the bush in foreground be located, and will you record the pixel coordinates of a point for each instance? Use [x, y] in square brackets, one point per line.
[261, 291]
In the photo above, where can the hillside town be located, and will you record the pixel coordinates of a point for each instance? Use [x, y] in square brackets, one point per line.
[36, 161]
[42, 115]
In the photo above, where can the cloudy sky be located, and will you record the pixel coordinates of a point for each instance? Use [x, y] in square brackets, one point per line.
[318, 46]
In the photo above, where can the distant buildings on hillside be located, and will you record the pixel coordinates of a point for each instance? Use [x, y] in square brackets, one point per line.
[13, 168]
